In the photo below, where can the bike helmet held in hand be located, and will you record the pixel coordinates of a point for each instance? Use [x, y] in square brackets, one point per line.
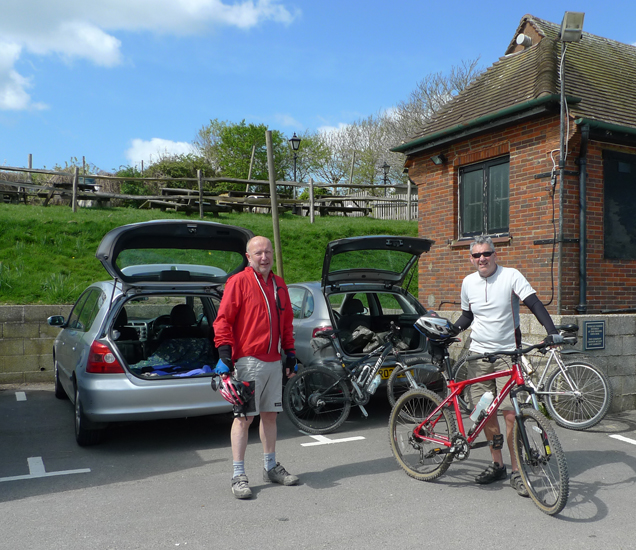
[434, 327]
[237, 392]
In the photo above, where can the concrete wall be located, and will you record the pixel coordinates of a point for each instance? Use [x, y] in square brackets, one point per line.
[26, 344]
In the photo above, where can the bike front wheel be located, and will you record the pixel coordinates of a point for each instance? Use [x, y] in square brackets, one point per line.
[460, 374]
[542, 466]
[578, 396]
[419, 458]
[403, 379]
[317, 400]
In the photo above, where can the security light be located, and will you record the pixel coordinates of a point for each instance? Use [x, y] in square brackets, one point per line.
[572, 26]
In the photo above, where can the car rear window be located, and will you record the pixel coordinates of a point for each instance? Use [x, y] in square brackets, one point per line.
[385, 260]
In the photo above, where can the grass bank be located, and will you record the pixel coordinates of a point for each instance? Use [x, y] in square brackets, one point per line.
[47, 255]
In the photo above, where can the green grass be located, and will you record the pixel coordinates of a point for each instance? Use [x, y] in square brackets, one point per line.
[47, 254]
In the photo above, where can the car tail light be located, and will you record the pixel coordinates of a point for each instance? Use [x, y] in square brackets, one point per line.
[318, 330]
[101, 360]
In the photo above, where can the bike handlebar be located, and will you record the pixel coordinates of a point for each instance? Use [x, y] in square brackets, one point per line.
[519, 351]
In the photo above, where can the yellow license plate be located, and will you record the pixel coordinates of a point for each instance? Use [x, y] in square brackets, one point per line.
[386, 372]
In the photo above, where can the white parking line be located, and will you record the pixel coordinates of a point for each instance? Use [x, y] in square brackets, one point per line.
[36, 470]
[625, 439]
[20, 396]
[322, 440]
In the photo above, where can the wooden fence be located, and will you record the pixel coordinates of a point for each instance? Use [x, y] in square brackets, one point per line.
[82, 190]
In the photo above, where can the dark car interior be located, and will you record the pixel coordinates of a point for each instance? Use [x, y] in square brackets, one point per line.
[365, 317]
[167, 335]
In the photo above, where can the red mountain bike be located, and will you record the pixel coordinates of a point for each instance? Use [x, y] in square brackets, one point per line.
[425, 437]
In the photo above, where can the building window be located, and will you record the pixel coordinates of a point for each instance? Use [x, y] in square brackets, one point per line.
[484, 197]
[619, 171]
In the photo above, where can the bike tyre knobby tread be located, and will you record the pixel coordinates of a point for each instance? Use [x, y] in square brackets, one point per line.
[317, 420]
[545, 474]
[594, 403]
[395, 387]
[409, 410]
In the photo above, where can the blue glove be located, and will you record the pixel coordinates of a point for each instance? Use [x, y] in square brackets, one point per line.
[291, 364]
[221, 368]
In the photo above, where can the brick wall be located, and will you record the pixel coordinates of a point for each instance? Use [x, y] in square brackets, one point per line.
[611, 283]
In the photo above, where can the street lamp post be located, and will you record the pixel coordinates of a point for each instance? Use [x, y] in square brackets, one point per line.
[295, 144]
[385, 167]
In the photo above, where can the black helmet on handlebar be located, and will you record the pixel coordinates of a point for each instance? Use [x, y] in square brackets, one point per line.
[434, 327]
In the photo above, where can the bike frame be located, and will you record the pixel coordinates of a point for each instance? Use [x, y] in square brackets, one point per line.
[553, 354]
[382, 352]
[515, 378]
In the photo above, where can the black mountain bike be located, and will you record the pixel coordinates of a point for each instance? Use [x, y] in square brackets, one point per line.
[318, 400]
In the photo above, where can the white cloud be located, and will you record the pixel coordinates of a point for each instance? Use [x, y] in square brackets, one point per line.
[13, 86]
[287, 121]
[155, 149]
[78, 29]
[327, 129]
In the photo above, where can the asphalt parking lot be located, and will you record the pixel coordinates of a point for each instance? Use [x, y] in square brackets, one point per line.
[156, 485]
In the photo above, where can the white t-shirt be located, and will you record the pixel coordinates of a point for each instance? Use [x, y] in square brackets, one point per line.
[494, 302]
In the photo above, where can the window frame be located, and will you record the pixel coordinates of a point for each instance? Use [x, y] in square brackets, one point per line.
[615, 203]
[486, 222]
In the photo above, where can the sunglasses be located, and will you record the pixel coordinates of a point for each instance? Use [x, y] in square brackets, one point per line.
[477, 255]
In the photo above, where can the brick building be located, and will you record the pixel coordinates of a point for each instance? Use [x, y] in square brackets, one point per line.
[488, 162]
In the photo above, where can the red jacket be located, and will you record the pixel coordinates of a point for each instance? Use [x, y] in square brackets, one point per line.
[244, 318]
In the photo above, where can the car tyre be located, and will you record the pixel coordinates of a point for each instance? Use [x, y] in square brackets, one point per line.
[84, 435]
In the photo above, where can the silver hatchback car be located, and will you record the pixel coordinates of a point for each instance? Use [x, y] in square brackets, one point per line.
[141, 346]
[363, 289]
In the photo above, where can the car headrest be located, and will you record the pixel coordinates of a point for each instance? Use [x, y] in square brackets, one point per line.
[182, 316]
[352, 307]
[122, 318]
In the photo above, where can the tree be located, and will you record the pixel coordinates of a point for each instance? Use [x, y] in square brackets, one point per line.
[429, 96]
[227, 147]
[367, 141]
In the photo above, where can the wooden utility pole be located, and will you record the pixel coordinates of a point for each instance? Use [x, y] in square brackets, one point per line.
[274, 203]
[200, 182]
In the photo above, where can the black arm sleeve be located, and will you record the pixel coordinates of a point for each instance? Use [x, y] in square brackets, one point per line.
[541, 313]
[465, 320]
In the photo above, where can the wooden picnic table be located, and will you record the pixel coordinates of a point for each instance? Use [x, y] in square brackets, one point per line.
[329, 205]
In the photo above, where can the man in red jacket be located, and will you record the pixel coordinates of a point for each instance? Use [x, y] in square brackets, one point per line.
[252, 330]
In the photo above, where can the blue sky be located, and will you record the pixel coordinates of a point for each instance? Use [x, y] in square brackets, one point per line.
[120, 81]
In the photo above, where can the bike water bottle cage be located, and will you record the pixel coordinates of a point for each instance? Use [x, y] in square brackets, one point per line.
[497, 441]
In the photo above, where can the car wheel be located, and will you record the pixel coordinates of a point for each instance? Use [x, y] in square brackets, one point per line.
[84, 435]
[59, 390]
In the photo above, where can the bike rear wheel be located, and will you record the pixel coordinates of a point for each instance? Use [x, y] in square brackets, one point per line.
[543, 469]
[578, 398]
[403, 379]
[420, 459]
[317, 400]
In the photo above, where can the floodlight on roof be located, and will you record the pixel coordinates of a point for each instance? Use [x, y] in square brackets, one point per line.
[572, 26]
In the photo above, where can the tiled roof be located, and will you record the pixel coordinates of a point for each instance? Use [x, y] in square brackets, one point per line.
[598, 71]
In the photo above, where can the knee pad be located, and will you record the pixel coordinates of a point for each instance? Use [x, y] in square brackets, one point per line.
[497, 441]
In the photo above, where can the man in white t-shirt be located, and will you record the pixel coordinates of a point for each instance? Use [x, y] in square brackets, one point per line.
[490, 306]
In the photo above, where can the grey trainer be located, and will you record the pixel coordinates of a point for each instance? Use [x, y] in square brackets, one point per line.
[240, 488]
[278, 474]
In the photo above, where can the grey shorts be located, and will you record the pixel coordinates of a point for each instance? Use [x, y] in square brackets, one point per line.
[268, 378]
[479, 368]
